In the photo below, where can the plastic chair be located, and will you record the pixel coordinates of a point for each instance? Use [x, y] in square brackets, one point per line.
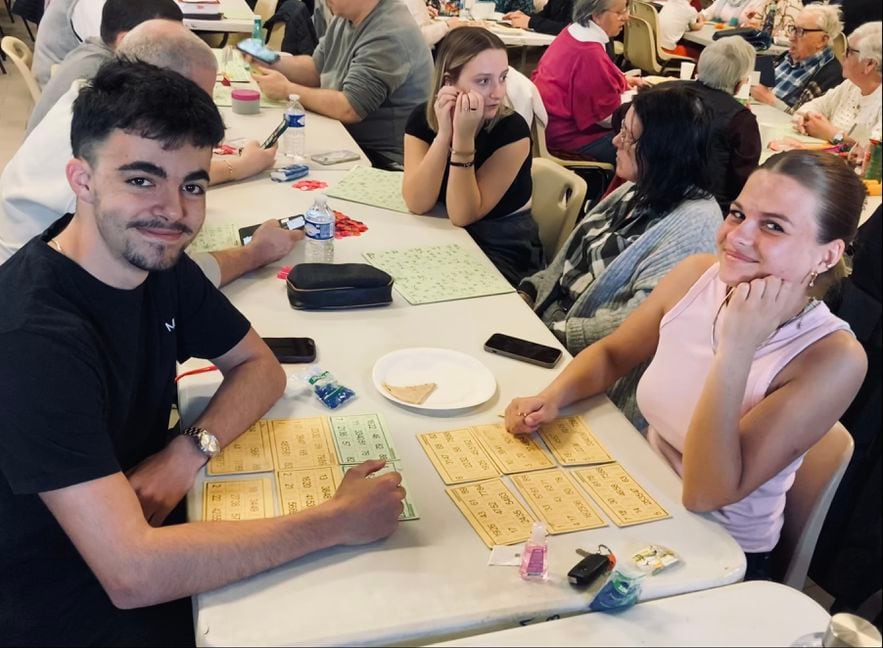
[807, 505]
[20, 55]
[648, 12]
[558, 196]
[642, 51]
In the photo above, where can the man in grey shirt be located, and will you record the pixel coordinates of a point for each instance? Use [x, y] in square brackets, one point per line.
[117, 18]
[370, 71]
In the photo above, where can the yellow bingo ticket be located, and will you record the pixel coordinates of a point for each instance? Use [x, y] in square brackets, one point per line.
[248, 453]
[510, 453]
[493, 511]
[621, 497]
[301, 443]
[307, 487]
[457, 456]
[557, 501]
[241, 499]
[572, 442]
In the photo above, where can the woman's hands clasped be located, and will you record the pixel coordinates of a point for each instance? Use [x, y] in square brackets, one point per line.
[459, 115]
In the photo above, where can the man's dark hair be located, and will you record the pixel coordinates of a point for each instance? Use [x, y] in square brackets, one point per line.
[147, 101]
[672, 150]
[122, 15]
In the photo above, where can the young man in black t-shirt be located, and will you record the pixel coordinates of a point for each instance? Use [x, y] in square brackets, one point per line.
[96, 312]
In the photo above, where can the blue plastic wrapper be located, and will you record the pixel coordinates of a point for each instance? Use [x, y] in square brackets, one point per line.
[326, 387]
[621, 589]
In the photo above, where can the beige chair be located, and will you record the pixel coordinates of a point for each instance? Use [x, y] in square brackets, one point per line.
[649, 13]
[538, 135]
[20, 55]
[838, 45]
[277, 34]
[642, 51]
[558, 196]
[807, 505]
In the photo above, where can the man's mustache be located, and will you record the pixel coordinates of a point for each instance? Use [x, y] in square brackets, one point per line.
[160, 225]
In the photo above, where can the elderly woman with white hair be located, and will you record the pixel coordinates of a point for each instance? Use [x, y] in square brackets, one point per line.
[809, 68]
[734, 145]
[852, 110]
[580, 85]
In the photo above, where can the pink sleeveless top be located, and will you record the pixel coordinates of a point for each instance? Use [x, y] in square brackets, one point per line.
[671, 386]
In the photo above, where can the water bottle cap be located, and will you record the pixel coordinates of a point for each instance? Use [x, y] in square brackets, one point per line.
[294, 97]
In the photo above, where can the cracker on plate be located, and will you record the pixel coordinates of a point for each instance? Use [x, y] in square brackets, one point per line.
[414, 394]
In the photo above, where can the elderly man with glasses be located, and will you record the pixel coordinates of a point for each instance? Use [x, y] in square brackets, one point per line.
[852, 111]
[809, 68]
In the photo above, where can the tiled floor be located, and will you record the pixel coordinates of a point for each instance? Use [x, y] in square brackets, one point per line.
[15, 106]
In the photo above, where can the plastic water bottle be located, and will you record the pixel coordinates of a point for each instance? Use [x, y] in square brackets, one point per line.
[294, 138]
[319, 231]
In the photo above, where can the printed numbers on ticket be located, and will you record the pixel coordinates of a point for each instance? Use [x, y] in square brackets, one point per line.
[248, 453]
[572, 442]
[362, 437]
[557, 501]
[409, 511]
[493, 511]
[241, 499]
[510, 453]
[306, 488]
[457, 456]
[301, 443]
[621, 497]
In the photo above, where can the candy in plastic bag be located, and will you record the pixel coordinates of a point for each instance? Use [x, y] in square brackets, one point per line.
[326, 387]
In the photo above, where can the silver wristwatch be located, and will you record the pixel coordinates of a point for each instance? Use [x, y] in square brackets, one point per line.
[206, 442]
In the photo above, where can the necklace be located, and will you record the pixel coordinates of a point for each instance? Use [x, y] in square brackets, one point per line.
[54, 243]
[810, 304]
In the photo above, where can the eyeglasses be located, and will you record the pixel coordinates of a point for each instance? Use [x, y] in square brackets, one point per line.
[799, 32]
[851, 50]
[626, 137]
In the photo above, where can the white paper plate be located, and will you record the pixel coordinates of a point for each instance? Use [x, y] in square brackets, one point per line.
[462, 381]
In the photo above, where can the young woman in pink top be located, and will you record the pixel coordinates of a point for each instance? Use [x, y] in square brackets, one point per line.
[748, 371]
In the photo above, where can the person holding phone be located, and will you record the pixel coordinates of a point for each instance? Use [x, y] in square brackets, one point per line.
[747, 370]
[369, 71]
[469, 150]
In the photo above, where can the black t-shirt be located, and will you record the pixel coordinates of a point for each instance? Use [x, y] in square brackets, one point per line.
[507, 130]
[86, 385]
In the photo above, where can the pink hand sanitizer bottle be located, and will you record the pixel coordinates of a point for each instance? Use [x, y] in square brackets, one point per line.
[535, 557]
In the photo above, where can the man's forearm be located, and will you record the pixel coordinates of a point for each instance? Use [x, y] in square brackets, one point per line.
[299, 69]
[186, 559]
[235, 262]
[246, 393]
[331, 103]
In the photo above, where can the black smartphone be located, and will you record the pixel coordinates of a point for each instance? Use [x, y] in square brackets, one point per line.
[289, 222]
[292, 349]
[512, 347]
[275, 135]
[257, 50]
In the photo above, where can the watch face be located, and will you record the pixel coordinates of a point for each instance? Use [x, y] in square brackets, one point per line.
[208, 444]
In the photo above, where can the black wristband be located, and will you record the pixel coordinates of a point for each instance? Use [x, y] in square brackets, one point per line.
[462, 165]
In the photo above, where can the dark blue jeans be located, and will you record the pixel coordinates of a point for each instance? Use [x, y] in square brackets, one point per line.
[601, 149]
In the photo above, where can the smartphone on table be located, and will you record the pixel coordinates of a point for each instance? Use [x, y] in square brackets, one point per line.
[275, 135]
[257, 50]
[289, 222]
[292, 350]
[334, 157]
[518, 349]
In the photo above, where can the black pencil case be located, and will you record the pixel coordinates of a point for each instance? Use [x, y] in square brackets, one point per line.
[341, 285]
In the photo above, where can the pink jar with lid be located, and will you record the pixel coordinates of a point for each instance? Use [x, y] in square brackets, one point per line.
[245, 101]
